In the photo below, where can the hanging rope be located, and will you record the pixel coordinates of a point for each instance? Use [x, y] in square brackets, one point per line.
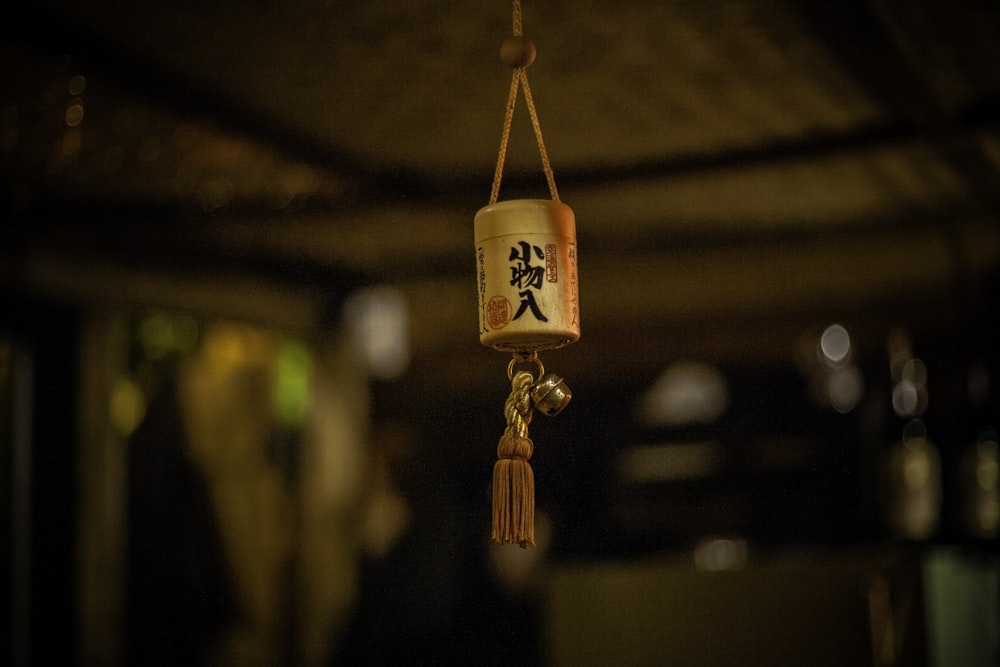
[518, 53]
[516, 19]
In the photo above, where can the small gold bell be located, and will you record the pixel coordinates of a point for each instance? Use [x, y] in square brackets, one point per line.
[550, 395]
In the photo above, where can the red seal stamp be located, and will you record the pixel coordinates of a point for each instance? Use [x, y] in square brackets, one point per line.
[498, 312]
[551, 263]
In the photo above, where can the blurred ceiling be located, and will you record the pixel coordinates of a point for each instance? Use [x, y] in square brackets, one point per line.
[740, 171]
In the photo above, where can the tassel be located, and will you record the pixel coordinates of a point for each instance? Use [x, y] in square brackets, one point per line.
[513, 480]
[514, 492]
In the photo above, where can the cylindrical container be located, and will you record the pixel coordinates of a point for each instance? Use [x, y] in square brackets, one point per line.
[526, 274]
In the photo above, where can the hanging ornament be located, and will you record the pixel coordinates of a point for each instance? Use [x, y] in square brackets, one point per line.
[528, 301]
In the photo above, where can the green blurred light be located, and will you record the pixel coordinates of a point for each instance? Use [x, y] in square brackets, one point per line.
[156, 335]
[293, 368]
[162, 333]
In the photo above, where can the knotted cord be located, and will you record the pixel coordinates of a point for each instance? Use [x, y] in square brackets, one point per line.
[517, 409]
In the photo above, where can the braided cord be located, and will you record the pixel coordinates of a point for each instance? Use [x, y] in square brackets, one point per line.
[517, 408]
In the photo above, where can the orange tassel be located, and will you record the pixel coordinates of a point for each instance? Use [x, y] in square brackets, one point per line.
[514, 492]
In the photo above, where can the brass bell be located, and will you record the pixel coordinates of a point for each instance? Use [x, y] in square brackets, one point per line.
[550, 395]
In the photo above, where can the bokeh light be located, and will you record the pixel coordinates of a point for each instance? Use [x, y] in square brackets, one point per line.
[687, 392]
[292, 378]
[718, 554]
[379, 321]
[835, 346]
[127, 406]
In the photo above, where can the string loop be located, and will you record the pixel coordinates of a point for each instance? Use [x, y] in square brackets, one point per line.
[520, 80]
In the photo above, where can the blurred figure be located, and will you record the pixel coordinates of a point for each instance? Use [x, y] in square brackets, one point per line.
[180, 597]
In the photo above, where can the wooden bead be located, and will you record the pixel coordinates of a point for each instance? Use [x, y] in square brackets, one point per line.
[517, 52]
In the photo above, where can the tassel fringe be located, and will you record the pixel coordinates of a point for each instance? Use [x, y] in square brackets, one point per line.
[514, 492]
